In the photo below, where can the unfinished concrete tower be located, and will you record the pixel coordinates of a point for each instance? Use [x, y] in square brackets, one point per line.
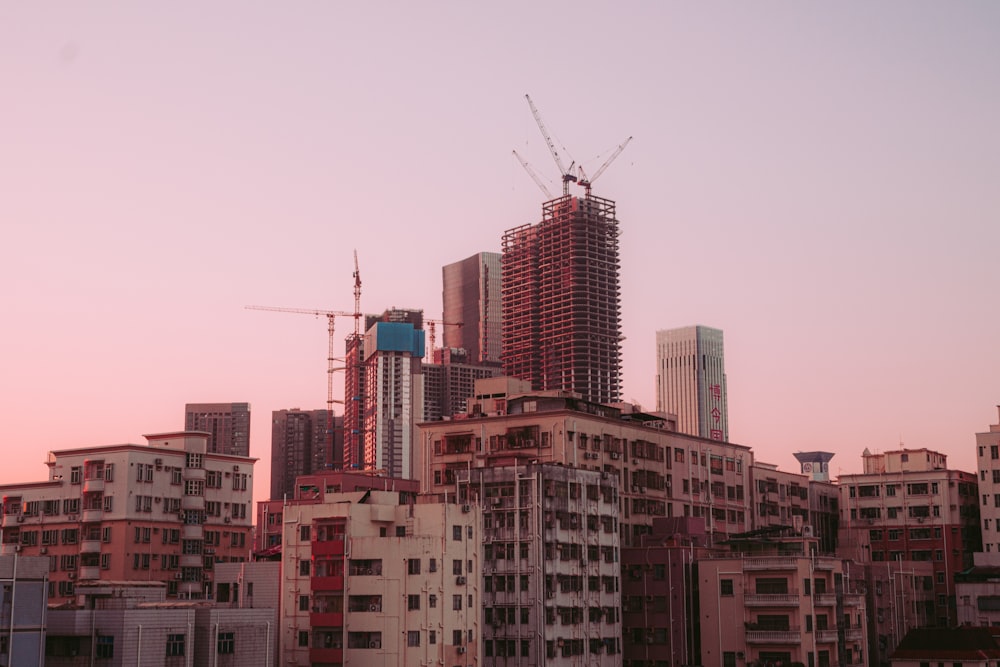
[561, 299]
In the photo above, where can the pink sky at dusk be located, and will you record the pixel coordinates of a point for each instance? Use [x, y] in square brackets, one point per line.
[820, 181]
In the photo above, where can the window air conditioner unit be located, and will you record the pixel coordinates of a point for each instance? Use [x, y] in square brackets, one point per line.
[228, 519]
[466, 509]
[20, 518]
[375, 645]
[460, 581]
[178, 575]
[461, 649]
[43, 550]
[17, 548]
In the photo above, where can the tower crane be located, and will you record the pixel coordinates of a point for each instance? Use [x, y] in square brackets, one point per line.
[431, 325]
[534, 176]
[567, 174]
[330, 316]
[587, 182]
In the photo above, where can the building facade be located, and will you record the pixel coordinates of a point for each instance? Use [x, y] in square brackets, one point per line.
[228, 426]
[550, 575]
[691, 380]
[166, 511]
[561, 299]
[908, 506]
[302, 442]
[393, 353]
[368, 580]
[659, 472]
[988, 460]
[471, 296]
[450, 382]
[25, 582]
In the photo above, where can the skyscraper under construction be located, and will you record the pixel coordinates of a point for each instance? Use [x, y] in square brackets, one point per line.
[561, 299]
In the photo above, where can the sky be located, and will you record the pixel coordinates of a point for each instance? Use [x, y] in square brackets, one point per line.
[819, 180]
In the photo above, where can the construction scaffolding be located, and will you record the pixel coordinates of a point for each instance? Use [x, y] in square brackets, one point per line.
[562, 300]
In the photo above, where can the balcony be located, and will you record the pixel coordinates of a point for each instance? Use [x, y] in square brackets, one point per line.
[824, 563]
[326, 584]
[90, 547]
[827, 636]
[854, 600]
[329, 656]
[191, 560]
[771, 600]
[92, 515]
[194, 474]
[12, 520]
[193, 502]
[770, 563]
[852, 634]
[8, 548]
[192, 531]
[774, 637]
[329, 619]
[189, 588]
[328, 548]
[825, 600]
[90, 572]
[94, 485]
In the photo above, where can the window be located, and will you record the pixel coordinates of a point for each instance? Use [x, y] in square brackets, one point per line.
[432, 565]
[412, 604]
[303, 603]
[726, 587]
[413, 566]
[304, 568]
[400, 531]
[456, 567]
[456, 602]
[175, 476]
[226, 644]
[413, 638]
[75, 474]
[304, 533]
[729, 659]
[303, 638]
[456, 533]
[432, 602]
[105, 647]
[175, 644]
[456, 637]
[432, 636]
[239, 481]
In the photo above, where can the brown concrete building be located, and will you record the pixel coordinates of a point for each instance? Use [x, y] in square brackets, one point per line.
[659, 472]
[228, 426]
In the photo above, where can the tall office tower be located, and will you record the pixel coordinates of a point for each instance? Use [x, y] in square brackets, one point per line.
[301, 444]
[691, 380]
[561, 302]
[228, 424]
[395, 394]
[471, 296]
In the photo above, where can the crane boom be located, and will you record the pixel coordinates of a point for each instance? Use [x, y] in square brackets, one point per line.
[432, 324]
[303, 311]
[534, 176]
[567, 174]
[587, 182]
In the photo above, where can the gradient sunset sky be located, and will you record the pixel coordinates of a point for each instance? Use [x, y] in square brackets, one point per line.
[820, 181]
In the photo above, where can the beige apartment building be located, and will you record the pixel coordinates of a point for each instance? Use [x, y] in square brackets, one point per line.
[908, 506]
[165, 511]
[659, 472]
[784, 605]
[551, 565]
[367, 580]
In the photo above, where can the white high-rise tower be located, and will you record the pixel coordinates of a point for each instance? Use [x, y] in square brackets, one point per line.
[691, 380]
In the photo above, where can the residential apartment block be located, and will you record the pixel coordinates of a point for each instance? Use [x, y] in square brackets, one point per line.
[471, 296]
[302, 442]
[368, 580]
[550, 576]
[166, 511]
[908, 506]
[988, 460]
[659, 472]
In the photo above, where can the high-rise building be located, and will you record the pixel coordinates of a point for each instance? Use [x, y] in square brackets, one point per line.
[228, 425]
[691, 380]
[988, 458]
[471, 296]
[301, 444]
[561, 301]
[450, 381]
[394, 395]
